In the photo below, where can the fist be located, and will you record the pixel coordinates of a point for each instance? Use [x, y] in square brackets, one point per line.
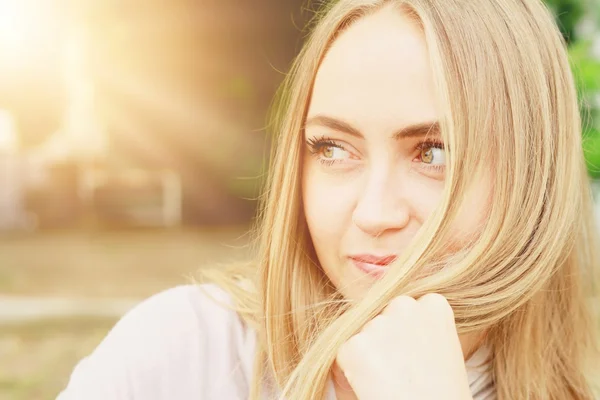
[410, 351]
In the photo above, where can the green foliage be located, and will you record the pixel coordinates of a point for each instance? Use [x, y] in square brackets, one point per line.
[591, 147]
[587, 76]
[568, 13]
[585, 68]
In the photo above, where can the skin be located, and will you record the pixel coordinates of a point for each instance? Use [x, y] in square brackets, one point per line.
[371, 178]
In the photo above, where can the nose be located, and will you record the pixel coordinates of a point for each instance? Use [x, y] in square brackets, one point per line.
[383, 206]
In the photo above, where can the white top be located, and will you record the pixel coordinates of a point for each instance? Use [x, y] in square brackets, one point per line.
[185, 344]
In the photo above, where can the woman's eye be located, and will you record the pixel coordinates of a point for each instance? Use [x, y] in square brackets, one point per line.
[433, 155]
[334, 153]
[327, 151]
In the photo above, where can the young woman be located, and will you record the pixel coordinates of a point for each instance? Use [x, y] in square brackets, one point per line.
[426, 231]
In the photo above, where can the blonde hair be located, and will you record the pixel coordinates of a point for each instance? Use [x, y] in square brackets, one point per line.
[507, 94]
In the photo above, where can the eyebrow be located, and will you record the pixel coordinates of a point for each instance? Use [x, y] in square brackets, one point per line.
[411, 131]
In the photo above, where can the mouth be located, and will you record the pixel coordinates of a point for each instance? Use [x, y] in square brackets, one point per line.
[374, 266]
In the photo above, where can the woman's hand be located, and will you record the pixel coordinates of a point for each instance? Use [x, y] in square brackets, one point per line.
[410, 351]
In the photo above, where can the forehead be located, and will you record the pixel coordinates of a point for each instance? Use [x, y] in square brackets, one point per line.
[377, 70]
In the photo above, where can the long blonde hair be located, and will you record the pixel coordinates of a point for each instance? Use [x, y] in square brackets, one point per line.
[508, 98]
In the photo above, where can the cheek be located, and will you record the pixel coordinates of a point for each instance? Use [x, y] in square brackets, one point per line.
[472, 215]
[424, 196]
[328, 206]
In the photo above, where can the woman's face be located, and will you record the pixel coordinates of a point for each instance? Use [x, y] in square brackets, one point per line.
[374, 165]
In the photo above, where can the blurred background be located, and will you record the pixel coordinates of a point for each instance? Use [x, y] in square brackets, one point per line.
[132, 148]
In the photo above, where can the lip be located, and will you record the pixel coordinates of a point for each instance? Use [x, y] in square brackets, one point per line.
[372, 265]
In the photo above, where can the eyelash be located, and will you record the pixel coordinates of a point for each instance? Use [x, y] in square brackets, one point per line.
[315, 145]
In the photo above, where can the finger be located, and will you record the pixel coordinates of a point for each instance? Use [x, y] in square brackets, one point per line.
[401, 306]
[360, 366]
[351, 356]
[437, 306]
[440, 317]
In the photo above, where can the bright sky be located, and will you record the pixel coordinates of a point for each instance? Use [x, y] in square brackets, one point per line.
[24, 24]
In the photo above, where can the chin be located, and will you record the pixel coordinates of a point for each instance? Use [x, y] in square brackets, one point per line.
[354, 288]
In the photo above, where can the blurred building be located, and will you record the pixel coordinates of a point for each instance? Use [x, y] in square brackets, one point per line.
[186, 86]
[12, 206]
[156, 99]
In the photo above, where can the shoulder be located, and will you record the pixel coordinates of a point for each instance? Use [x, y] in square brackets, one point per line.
[190, 313]
[182, 308]
[166, 344]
